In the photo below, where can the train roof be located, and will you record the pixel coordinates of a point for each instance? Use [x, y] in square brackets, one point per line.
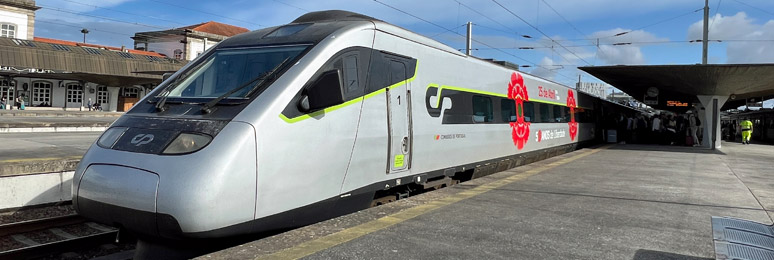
[313, 27]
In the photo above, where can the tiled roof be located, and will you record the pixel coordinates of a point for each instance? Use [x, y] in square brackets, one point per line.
[79, 44]
[66, 56]
[217, 28]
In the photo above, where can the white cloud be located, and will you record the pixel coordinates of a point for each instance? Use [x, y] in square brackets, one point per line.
[545, 70]
[623, 54]
[747, 41]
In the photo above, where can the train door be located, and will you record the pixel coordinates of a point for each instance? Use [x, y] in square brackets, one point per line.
[398, 118]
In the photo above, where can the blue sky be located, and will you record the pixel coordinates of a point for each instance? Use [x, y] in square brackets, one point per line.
[565, 38]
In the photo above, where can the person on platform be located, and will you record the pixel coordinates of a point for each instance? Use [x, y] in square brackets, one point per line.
[747, 128]
[693, 127]
[88, 104]
[656, 129]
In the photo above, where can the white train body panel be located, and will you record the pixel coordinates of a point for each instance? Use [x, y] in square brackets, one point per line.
[413, 108]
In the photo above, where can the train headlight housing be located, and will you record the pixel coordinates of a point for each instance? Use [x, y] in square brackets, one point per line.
[187, 143]
[109, 137]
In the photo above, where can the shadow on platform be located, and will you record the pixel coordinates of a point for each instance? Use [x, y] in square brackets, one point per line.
[665, 148]
[644, 254]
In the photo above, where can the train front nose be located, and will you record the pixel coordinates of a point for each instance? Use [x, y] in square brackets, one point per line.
[120, 196]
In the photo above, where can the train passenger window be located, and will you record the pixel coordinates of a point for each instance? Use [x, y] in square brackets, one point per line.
[482, 109]
[545, 113]
[558, 117]
[508, 110]
[529, 111]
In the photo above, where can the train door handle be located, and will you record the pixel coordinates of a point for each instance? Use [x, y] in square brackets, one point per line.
[404, 144]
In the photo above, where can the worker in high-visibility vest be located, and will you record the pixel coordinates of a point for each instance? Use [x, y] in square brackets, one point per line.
[747, 128]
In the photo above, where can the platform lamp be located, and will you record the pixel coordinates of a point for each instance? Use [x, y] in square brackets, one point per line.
[84, 31]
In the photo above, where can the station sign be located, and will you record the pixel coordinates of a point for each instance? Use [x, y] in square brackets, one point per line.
[592, 88]
[674, 103]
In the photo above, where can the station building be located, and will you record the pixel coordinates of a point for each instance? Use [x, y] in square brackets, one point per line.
[53, 74]
[185, 43]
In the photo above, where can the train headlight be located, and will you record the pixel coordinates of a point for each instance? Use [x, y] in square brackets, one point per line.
[109, 137]
[187, 143]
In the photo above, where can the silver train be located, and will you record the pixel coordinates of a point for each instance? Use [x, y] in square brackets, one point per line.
[286, 126]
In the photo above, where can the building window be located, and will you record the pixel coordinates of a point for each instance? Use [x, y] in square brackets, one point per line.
[178, 54]
[41, 93]
[74, 93]
[7, 90]
[131, 92]
[8, 30]
[102, 95]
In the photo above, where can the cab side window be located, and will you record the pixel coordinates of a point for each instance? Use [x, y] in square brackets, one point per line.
[351, 75]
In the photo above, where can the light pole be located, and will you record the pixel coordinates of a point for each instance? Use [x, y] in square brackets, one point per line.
[84, 31]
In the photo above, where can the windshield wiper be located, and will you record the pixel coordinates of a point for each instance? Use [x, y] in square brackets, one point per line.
[165, 93]
[260, 80]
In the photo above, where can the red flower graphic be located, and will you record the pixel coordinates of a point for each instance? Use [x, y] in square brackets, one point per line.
[516, 89]
[518, 92]
[572, 123]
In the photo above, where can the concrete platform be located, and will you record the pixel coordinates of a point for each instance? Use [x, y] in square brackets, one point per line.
[50, 112]
[41, 121]
[37, 168]
[613, 202]
[26, 153]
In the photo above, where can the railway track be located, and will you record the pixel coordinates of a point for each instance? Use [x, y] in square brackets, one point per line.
[39, 224]
[63, 241]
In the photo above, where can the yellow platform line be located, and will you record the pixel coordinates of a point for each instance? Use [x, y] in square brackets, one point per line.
[335, 239]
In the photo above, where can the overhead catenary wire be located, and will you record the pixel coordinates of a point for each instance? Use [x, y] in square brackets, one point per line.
[160, 33]
[569, 23]
[455, 28]
[652, 24]
[754, 7]
[540, 31]
[479, 42]
[209, 13]
[509, 30]
[123, 12]
[296, 7]
[489, 18]
[101, 17]
[80, 27]
[717, 9]
[94, 29]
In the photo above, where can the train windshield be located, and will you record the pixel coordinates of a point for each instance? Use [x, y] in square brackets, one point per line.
[230, 70]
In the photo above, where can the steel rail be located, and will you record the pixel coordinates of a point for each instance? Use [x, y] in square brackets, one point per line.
[39, 224]
[60, 246]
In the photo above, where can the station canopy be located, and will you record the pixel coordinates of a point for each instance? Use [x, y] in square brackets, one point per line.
[678, 85]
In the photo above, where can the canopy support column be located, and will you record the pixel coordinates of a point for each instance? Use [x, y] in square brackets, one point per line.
[710, 118]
